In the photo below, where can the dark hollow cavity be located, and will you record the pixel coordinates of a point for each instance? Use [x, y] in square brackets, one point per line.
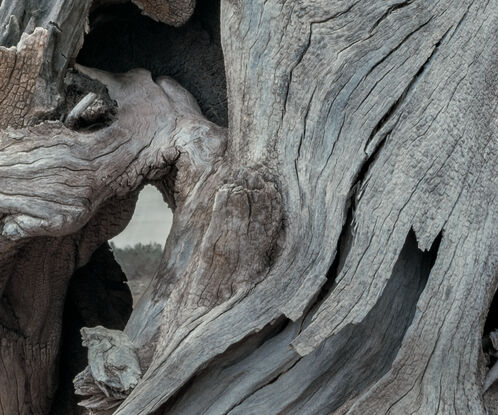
[352, 360]
[97, 295]
[368, 349]
[490, 326]
[492, 319]
[121, 38]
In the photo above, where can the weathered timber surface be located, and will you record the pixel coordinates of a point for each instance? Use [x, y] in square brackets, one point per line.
[334, 251]
[113, 368]
[19, 69]
[95, 201]
[57, 27]
[173, 12]
[388, 107]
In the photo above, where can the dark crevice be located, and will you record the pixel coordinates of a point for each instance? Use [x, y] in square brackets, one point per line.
[97, 295]
[271, 381]
[300, 56]
[397, 104]
[344, 243]
[346, 235]
[492, 319]
[389, 11]
[276, 329]
[239, 351]
[360, 176]
[491, 325]
[235, 354]
[352, 360]
[121, 39]
[361, 354]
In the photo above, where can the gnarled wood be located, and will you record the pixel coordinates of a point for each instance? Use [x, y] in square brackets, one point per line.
[334, 251]
[51, 197]
[64, 23]
[113, 368]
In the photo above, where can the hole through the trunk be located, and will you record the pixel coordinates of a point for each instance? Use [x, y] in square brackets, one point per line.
[139, 247]
[121, 39]
[97, 293]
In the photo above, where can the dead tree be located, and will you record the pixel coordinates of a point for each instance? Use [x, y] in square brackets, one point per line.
[334, 249]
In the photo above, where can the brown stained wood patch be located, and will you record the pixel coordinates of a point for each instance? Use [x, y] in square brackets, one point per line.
[19, 70]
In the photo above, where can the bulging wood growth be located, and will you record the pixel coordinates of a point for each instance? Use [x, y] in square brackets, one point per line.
[333, 249]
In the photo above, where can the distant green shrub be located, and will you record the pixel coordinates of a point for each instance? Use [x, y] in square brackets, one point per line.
[139, 262]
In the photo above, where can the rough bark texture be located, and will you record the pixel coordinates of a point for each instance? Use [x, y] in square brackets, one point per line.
[332, 251]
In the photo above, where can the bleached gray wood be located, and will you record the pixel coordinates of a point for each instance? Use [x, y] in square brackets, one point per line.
[338, 82]
[38, 202]
[321, 382]
[353, 198]
[113, 368]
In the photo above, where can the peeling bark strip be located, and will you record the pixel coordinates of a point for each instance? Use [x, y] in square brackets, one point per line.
[19, 70]
[64, 22]
[371, 120]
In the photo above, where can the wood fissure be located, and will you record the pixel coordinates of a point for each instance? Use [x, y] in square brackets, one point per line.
[332, 251]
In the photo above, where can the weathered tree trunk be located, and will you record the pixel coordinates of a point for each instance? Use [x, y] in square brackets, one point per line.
[334, 250]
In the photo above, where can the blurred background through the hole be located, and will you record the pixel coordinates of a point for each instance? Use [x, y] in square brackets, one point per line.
[138, 249]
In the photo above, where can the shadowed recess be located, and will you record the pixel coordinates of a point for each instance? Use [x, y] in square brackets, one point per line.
[121, 38]
[97, 295]
[489, 347]
[361, 349]
[102, 292]
[351, 360]
[492, 319]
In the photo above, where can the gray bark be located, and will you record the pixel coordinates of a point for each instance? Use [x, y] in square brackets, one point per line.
[332, 251]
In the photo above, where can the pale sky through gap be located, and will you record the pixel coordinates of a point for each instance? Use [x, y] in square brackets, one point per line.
[151, 221]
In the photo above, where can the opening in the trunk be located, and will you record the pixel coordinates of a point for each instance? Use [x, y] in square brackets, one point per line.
[139, 248]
